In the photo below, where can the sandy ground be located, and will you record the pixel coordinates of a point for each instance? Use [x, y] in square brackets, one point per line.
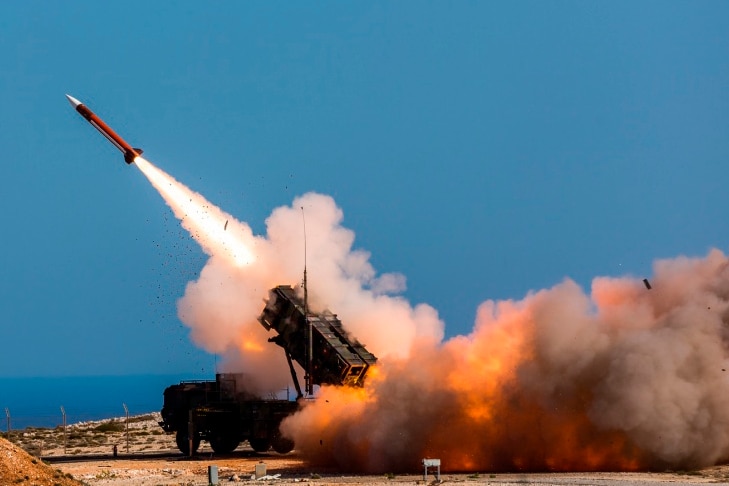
[153, 459]
[292, 470]
[177, 470]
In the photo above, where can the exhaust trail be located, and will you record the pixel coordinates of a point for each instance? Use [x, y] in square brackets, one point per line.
[207, 223]
[221, 307]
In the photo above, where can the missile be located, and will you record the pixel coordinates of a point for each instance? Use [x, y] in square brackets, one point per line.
[129, 152]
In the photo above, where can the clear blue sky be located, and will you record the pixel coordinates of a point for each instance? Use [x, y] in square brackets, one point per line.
[482, 149]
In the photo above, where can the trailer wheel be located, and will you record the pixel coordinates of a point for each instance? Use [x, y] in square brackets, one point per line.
[223, 443]
[260, 445]
[183, 442]
[282, 445]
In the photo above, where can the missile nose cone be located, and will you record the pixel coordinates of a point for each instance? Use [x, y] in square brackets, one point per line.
[74, 102]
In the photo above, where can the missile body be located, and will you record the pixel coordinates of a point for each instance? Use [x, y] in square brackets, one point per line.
[129, 152]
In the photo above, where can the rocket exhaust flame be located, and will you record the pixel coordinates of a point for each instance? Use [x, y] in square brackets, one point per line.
[205, 222]
[622, 378]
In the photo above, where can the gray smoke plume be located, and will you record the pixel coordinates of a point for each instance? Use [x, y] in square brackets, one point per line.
[623, 379]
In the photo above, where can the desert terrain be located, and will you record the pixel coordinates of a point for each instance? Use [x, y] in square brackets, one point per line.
[84, 455]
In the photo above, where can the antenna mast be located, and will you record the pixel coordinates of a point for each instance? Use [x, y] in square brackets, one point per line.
[310, 347]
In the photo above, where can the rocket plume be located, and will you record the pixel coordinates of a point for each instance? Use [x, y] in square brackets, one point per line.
[625, 377]
[222, 306]
[205, 222]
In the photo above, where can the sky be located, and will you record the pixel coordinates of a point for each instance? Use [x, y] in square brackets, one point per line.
[484, 150]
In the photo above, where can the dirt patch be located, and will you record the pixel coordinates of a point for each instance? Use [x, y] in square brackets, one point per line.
[19, 467]
[176, 470]
[291, 470]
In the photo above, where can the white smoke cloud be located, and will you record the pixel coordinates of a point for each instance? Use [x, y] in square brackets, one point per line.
[221, 307]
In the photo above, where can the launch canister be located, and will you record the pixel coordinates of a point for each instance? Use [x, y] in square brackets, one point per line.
[129, 152]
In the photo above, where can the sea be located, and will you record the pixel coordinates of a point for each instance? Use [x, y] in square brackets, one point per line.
[37, 402]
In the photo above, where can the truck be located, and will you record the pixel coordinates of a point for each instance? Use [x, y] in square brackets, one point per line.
[216, 411]
[224, 413]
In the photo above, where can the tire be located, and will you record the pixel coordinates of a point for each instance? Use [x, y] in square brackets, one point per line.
[260, 445]
[223, 443]
[282, 445]
[183, 442]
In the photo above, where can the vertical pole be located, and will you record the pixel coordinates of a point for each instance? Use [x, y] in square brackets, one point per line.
[126, 412]
[7, 415]
[310, 391]
[63, 414]
[310, 346]
[190, 431]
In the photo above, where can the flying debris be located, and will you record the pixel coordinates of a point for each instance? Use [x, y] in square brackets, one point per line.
[647, 284]
[129, 153]
[226, 225]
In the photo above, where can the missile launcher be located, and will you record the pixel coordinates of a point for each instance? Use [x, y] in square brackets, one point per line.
[335, 358]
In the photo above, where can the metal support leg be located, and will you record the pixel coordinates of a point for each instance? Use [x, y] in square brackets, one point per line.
[431, 463]
[299, 395]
